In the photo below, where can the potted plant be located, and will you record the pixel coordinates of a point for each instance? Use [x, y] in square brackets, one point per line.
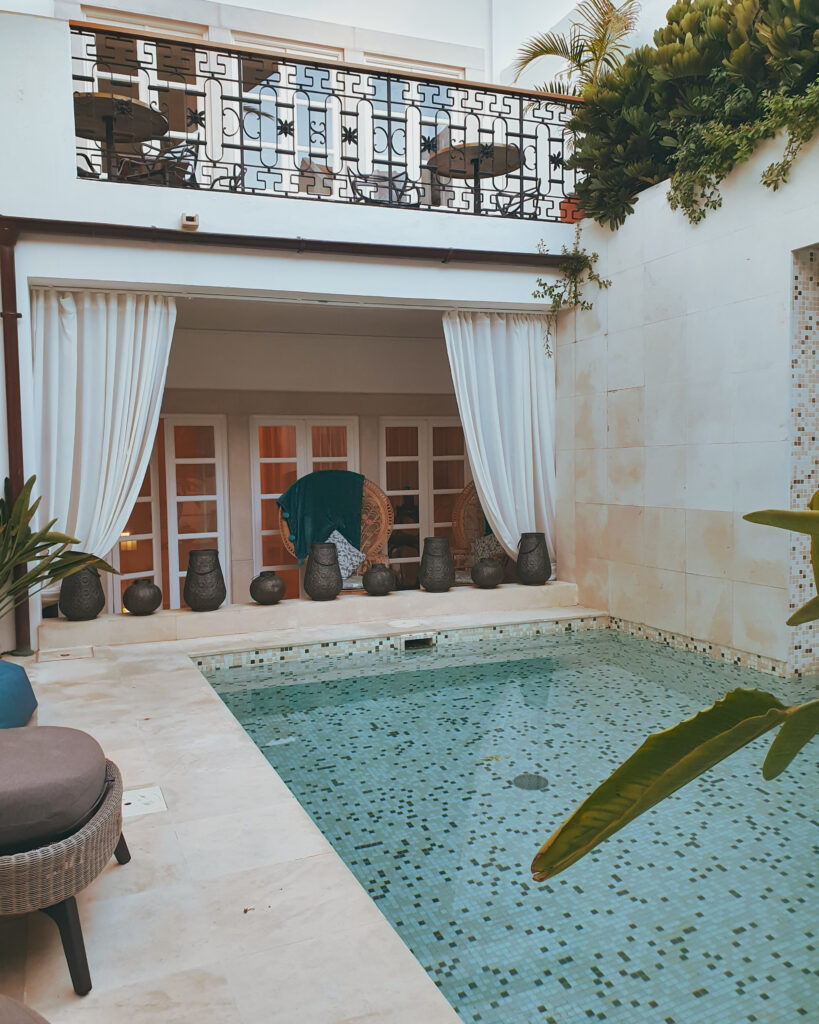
[46, 558]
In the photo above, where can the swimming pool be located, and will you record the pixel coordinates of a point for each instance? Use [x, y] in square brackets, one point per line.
[700, 912]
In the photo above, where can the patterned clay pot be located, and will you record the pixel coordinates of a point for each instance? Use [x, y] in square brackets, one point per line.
[533, 566]
[267, 588]
[322, 577]
[143, 597]
[81, 596]
[487, 573]
[379, 580]
[204, 583]
[437, 572]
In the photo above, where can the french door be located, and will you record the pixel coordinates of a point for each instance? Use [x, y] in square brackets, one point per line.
[138, 554]
[196, 489]
[424, 467]
[282, 449]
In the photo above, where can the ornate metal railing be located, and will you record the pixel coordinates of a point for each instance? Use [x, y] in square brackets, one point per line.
[195, 115]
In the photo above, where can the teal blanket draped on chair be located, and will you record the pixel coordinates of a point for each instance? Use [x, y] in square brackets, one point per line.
[317, 504]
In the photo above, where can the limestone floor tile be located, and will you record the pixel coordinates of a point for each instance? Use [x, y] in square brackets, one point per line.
[353, 974]
[131, 938]
[277, 831]
[198, 996]
[157, 861]
[265, 908]
[13, 944]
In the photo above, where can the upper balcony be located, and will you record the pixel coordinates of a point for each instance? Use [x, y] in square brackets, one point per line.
[195, 115]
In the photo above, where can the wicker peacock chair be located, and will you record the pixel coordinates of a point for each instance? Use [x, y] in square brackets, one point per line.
[468, 524]
[377, 518]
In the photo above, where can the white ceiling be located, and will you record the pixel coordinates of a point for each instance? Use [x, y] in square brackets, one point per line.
[226, 314]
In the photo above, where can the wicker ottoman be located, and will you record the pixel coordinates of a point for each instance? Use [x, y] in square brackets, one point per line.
[44, 875]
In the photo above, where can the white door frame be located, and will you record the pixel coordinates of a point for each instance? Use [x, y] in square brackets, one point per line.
[304, 460]
[153, 536]
[222, 534]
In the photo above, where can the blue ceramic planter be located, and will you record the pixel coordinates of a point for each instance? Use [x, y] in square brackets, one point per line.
[17, 700]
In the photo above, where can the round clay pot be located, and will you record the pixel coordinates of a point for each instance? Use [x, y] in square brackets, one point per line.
[204, 583]
[81, 595]
[487, 573]
[143, 597]
[267, 588]
[533, 566]
[322, 577]
[437, 571]
[379, 580]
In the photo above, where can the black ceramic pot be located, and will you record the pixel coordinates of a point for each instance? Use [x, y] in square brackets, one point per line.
[533, 566]
[322, 577]
[204, 583]
[267, 588]
[81, 595]
[379, 580]
[487, 573]
[143, 597]
[437, 572]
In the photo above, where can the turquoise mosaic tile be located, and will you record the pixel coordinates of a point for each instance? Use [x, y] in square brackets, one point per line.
[701, 912]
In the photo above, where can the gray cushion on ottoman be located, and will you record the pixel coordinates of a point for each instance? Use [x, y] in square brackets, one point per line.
[51, 781]
[12, 1012]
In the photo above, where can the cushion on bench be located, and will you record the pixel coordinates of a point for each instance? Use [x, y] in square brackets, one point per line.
[51, 782]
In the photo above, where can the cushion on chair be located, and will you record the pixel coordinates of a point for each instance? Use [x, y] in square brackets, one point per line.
[12, 1012]
[51, 782]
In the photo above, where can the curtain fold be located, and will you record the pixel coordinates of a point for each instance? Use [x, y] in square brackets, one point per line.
[505, 389]
[98, 361]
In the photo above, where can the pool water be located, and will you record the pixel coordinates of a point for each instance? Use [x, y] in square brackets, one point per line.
[701, 912]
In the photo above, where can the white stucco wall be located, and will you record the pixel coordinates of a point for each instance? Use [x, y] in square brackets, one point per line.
[674, 413]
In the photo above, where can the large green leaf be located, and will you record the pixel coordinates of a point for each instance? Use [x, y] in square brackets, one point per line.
[797, 520]
[665, 762]
[809, 612]
[801, 725]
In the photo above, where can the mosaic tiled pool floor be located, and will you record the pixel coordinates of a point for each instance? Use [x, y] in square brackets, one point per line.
[701, 912]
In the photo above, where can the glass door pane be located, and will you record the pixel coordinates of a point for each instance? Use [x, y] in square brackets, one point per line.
[402, 475]
[196, 476]
[450, 474]
[277, 467]
[137, 553]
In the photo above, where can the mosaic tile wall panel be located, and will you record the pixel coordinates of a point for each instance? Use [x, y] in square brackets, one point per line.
[804, 640]
[697, 913]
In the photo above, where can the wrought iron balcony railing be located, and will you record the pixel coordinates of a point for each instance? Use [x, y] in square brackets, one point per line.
[195, 115]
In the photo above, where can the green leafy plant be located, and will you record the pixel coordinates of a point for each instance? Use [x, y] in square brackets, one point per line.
[671, 759]
[45, 553]
[576, 269]
[721, 77]
[594, 43]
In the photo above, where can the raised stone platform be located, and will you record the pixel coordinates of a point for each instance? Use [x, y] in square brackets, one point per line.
[404, 610]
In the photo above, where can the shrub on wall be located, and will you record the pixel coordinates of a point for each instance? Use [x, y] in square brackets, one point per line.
[722, 76]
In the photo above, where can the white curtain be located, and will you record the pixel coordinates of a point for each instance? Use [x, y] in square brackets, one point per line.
[505, 386]
[98, 365]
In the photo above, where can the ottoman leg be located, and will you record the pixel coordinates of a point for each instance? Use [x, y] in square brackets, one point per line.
[67, 918]
[122, 853]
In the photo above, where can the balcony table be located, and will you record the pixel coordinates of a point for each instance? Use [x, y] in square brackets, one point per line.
[108, 118]
[475, 160]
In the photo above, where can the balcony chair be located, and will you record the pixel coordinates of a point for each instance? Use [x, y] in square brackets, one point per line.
[175, 167]
[60, 824]
[377, 519]
[524, 205]
[385, 190]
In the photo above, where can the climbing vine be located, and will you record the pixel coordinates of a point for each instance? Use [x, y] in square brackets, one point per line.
[576, 270]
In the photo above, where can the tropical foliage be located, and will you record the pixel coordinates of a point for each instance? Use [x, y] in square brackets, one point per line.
[671, 759]
[595, 43]
[722, 76]
[576, 269]
[44, 553]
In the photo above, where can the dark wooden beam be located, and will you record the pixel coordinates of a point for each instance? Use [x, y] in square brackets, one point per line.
[14, 417]
[303, 246]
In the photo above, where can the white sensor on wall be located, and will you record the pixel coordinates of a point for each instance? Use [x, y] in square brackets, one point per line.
[189, 221]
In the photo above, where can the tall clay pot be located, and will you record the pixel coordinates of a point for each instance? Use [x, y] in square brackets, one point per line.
[267, 588]
[322, 577]
[204, 583]
[533, 566]
[437, 572]
[81, 595]
[143, 597]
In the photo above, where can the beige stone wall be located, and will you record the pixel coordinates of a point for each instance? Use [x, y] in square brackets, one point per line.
[674, 416]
